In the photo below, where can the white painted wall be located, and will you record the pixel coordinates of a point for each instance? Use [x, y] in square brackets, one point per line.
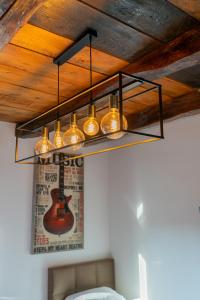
[22, 275]
[165, 177]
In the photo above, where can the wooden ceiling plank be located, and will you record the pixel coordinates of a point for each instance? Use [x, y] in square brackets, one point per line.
[191, 7]
[18, 14]
[31, 81]
[39, 64]
[50, 44]
[174, 108]
[61, 17]
[37, 67]
[189, 76]
[173, 88]
[15, 114]
[7, 117]
[158, 19]
[109, 9]
[24, 97]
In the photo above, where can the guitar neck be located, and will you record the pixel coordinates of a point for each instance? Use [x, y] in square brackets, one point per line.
[61, 178]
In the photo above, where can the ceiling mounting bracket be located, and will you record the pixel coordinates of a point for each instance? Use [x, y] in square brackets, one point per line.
[83, 41]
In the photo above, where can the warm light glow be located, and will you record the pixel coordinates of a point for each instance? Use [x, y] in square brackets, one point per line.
[140, 210]
[143, 278]
[58, 141]
[114, 124]
[91, 126]
[74, 135]
[110, 123]
[44, 145]
[58, 136]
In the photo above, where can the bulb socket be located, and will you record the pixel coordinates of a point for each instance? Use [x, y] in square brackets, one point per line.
[114, 103]
[92, 111]
[73, 118]
[45, 132]
[58, 125]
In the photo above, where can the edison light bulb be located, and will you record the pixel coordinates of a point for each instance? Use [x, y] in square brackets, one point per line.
[58, 136]
[91, 126]
[111, 121]
[43, 146]
[74, 135]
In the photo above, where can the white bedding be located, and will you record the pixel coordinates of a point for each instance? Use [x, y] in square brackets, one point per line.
[102, 293]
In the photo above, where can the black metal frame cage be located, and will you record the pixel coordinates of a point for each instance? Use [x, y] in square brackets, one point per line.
[128, 88]
[121, 84]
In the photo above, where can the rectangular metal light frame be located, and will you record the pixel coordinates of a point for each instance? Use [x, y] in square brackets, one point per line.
[30, 127]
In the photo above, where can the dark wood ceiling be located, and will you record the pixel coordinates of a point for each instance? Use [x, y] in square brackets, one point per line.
[129, 34]
[157, 19]
[126, 29]
[4, 6]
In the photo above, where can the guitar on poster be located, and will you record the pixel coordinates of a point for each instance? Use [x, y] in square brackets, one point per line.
[59, 218]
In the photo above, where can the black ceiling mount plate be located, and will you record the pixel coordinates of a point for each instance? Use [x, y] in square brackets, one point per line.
[68, 53]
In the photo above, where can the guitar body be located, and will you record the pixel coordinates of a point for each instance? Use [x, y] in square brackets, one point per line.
[59, 218]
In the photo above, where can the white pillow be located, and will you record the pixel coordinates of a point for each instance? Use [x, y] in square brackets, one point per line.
[102, 293]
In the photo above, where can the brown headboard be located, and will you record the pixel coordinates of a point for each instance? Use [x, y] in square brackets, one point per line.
[66, 280]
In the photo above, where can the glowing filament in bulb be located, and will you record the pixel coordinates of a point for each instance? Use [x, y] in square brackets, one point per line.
[114, 125]
[74, 137]
[58, 136]
[43, 146]
[110, 123]
[91, 126]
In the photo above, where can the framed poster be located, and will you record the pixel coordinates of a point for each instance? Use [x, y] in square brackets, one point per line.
[58, 214]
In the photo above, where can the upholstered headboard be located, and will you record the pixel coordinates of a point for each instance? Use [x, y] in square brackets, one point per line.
[66, 280]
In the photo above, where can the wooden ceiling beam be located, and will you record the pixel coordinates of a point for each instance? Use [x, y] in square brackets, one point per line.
[177, 55]
[4, 6]
[174, 108]
[18, 14]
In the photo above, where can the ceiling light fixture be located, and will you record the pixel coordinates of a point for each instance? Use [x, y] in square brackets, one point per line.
[117, 101]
